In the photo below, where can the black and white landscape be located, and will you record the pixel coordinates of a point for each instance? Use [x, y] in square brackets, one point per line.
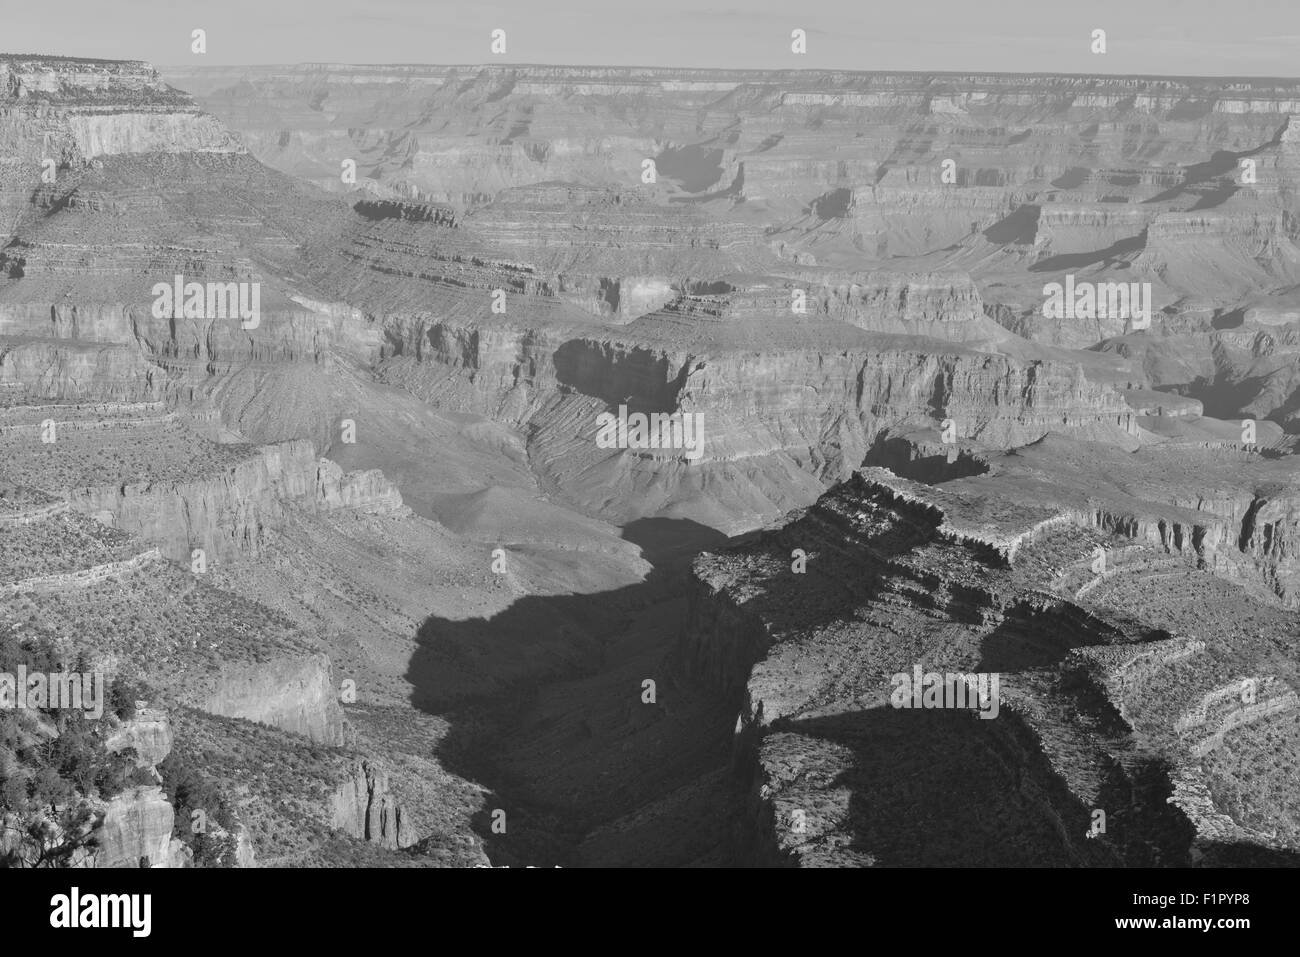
[412, 465]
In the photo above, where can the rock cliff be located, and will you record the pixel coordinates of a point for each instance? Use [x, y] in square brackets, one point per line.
[364, 809]
[807, 656]
[137, 827]
[297, 695]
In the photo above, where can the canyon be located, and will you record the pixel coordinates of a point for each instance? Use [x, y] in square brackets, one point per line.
[397, 604]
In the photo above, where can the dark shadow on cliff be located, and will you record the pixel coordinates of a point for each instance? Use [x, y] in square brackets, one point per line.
[1022, 643]
[669, 544]
[1072, 178]
[1221, 163]
[561, 763]
[1111, 255]
[1222, 854]
[943, 788]
[1032, 639]
[1020, 227]
[1223, 398]
[541, 637]
[1232, 319]
[1216, 197]
[902, 456]
[834, 204]
[695, 167]
[580, 365]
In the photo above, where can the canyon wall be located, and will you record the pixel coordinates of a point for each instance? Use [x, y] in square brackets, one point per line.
[293, 694]
[364, 809]
[229, 514]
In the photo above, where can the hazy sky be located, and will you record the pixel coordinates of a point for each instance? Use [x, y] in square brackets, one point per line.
[1245, 37]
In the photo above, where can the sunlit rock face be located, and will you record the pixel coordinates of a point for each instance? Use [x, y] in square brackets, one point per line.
[82, 109]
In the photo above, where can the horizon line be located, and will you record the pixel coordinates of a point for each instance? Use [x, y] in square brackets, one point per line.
[721, 71]
[734, 70]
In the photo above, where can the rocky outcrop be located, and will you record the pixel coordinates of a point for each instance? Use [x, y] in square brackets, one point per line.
[369, 490]
[62, 369]
[134, 827]
[1000, 541]
[1064, 228]
[31, 516]
[91, 418]
[1245, 537]
[1221, 841]
[225, 514]
[929, 304]
[911, 212]
[415, 212]
[229, 514]
[364, 808]
[802, 626]
[120, 312]
[137, 831]
[885, 302]
[293, 694]
[149, 734]
[82, 578]
[93, 108]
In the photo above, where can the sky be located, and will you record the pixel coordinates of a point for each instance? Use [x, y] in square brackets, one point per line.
[1172, 37]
